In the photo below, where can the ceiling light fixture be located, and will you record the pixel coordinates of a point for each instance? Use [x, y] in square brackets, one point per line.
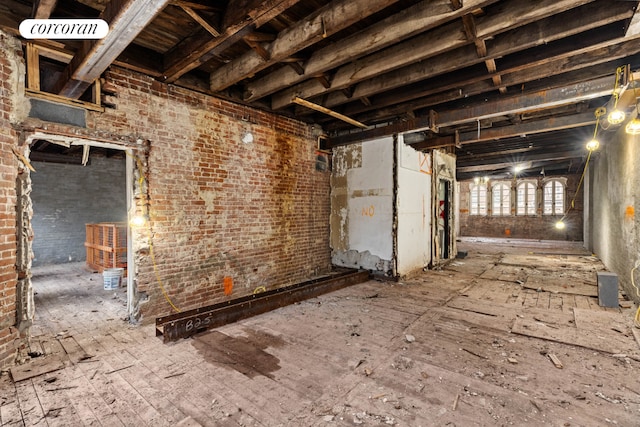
[616, 116]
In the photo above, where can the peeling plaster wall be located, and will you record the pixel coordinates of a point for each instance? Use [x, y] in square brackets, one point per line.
[613, 182]
[362, 205]
[414, 209]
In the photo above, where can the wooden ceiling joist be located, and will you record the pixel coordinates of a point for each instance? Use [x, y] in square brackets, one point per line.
[199, 19]
[195, 51]
[42, 9]
[419, 48]
[513, 105]
[404, 24]
[501, 47]
[126, 18]
[500, 163]
[533, 127]
[328, 20]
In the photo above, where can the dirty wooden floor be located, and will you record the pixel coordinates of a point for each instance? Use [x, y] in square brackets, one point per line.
[510, 335]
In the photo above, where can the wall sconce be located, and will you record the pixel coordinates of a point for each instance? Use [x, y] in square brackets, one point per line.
[560, 225]
[481, 180]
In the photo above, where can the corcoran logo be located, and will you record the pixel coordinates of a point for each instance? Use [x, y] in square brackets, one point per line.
[63, 28]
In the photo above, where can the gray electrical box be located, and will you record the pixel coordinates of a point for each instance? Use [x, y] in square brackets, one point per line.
[607, 289]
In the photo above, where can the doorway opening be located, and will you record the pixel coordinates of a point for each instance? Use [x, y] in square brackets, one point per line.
[444, 230]
[76, 183]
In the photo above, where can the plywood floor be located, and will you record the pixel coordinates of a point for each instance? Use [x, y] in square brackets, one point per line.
[471, 344]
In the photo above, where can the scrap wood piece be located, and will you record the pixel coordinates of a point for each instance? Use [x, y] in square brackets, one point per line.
[35, 369]
[554, 359]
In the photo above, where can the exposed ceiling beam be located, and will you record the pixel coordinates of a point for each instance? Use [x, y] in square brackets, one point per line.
[449, 37]
[476, 85]
[324, 22]
[411, 21]
[42, 9]
[551, 167]
[126, 18]
[238, 22]
[199, 19]
[501, 107]
[500, 163]
[521, 129]
[542, 33]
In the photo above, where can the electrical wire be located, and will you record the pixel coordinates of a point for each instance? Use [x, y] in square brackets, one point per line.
[146, 213]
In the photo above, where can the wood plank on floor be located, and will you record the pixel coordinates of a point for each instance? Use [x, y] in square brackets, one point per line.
[609, 343]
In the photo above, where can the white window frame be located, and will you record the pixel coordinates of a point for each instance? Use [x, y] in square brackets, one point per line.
[526, 199]
[554, 201]
[478, 199]
[503, 196]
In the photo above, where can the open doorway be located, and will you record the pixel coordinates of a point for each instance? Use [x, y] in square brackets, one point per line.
[78, 185]
[444, 234]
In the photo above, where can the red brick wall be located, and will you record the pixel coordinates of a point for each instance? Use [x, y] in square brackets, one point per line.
[8, 172]
[257, 213]
[539, 227]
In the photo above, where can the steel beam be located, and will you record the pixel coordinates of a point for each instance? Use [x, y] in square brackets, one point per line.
[185, 324]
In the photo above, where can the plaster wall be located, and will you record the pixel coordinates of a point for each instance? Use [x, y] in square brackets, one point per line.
[414, 209]
[613, 181]
[362, 206]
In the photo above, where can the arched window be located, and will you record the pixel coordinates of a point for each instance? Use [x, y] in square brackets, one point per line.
[526, 199]
[478, 199]
[501, 199]
[553, 197]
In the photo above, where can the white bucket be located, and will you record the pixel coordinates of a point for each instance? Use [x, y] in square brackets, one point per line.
[112, 278]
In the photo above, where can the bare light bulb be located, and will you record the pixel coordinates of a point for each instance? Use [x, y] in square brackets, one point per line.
[616, 117]
[633, 127]
[593, 145]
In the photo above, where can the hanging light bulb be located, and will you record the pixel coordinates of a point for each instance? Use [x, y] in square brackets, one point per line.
[592, 145]
[616, 116]
[633, 127]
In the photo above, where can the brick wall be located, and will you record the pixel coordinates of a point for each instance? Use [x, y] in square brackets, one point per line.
[66, 197]
[257, 213]
[539, 227]
[9, 168]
